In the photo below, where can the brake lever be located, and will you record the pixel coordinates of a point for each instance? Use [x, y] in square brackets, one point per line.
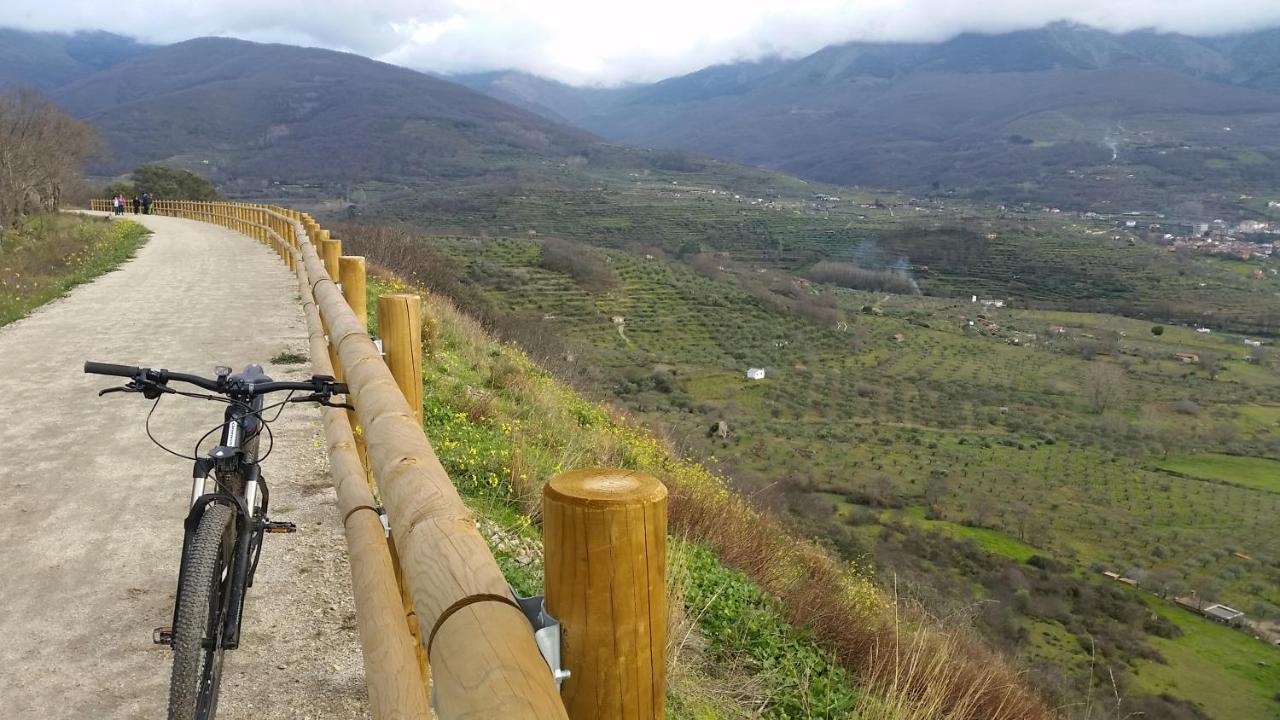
[149, 390]
[321, 399]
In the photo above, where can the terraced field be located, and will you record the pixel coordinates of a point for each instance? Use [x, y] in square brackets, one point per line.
[1022, 255]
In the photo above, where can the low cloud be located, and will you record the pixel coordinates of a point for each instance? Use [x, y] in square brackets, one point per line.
[589, 42]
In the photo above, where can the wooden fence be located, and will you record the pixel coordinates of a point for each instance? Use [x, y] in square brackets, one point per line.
[439, 627]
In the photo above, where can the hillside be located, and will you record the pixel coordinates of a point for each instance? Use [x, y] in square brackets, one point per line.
[51, 60]
[241, 110]
[1032, 115]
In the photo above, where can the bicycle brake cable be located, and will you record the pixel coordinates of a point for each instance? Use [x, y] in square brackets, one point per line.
[159, 444]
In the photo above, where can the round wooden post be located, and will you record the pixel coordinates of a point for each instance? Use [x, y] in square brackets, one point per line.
[330, 251]
[351, 274]
[400, 325]
[605, 539]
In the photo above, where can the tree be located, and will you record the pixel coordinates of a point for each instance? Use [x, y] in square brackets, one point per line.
[165, 183]
[1211, 364]
[1157, 330]
[1103, 386]
[42, 151]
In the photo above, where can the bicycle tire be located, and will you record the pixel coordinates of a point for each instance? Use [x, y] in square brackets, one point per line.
[197, 669]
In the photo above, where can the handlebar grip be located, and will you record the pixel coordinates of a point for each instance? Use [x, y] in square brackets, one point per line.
[97, 368]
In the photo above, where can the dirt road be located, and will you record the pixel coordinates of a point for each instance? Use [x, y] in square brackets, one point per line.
[91, 512]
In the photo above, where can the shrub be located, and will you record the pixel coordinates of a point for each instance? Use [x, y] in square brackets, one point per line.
[586, 267]
[851, 276]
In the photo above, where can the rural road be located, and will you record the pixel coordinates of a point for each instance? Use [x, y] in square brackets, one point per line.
[91, 512]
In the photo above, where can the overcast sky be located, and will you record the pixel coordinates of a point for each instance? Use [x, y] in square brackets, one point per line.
[602, 42]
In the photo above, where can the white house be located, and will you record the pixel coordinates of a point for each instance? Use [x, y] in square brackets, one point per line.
[755, 373]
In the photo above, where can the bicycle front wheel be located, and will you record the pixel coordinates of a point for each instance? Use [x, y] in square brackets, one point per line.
[197, 630]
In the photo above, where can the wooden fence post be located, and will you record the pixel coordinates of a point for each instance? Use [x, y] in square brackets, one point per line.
[331, 251]
[351, 275]
[605, 540]
[400, 326]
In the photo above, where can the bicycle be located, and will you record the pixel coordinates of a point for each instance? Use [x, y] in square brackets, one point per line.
[227, 520]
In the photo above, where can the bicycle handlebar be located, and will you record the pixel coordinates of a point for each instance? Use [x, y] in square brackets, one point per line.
[317, 383]
[97, 368]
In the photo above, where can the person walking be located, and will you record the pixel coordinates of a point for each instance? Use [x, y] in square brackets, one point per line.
[115, 205]
[137, 205]
[146, 203]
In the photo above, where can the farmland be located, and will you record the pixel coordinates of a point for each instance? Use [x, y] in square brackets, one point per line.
[990, 461]
[1032, 258]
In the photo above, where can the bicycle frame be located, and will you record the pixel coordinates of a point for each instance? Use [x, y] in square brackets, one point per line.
[234, 464]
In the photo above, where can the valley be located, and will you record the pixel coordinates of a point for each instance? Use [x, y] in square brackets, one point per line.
[991, 461]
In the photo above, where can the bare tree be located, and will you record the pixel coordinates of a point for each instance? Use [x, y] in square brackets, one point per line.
[1103, 385]
[1211, 364]
[42, 151]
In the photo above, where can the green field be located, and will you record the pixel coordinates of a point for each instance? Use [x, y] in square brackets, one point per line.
[1226, 671]
[1253, 472]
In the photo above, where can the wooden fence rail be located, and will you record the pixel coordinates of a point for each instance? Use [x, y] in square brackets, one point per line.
[609, 567]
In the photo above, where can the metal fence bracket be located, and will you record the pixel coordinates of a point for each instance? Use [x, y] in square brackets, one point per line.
[546, 633]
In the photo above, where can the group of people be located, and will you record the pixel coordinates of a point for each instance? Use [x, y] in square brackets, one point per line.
[141, 204]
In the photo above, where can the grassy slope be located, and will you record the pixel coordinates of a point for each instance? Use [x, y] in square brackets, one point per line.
[50, 254]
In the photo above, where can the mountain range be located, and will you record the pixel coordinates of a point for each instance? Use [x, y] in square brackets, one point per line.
[253, 113]
[1006, 115]
[1064, 115]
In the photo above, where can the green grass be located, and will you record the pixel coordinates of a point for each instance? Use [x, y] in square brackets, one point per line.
[1253, 472]
[288, 358]
[1264, 418]
[1223, 670]
[51, 254]
[739, 621]
[992, 541]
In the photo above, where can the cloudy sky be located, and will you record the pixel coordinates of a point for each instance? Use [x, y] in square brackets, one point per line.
[602, 42]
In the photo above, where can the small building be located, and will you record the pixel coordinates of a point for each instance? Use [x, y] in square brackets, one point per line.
[1224, 614]
[755, 373]
[1187, 357]
[1057, 330]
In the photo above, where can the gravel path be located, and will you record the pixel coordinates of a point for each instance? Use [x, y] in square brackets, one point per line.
[91, 512]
